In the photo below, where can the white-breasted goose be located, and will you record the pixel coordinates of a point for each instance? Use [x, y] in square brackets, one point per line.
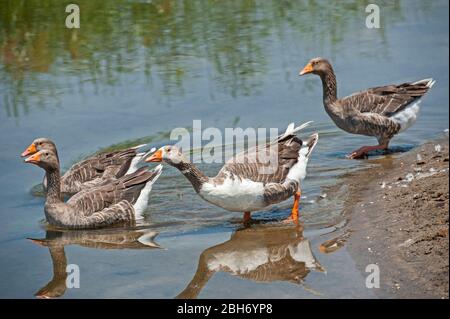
[120, 201]
[92, 171]
[251, 180]
[381, 112]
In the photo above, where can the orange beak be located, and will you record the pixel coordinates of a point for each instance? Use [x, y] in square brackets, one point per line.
[33, 159]
[156, 157]
[307, 69]
[30, 150]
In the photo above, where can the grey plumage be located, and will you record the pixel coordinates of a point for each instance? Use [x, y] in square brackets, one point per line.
[370, 112]
[96, 170]
[100, 206]
[253, 179]
[256, 163]
[93, 171]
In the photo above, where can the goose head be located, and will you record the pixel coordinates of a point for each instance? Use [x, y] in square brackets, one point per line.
[317, 66]
[45, 159]
[39, 144]
[170, 154]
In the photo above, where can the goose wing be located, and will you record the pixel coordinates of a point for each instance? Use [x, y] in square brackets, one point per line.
[269, 163]
[104, 165]
[387, 100]
[126, 188]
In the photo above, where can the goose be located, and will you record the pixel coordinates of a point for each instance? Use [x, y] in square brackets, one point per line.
[260, 254]
[245, 183]
[381, 112]
[92, 171]
[120, 201]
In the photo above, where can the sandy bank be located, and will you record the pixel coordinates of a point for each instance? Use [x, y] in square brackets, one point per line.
[398, 219]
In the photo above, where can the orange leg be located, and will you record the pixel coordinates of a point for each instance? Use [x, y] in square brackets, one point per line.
[246, 217]
[295, 212]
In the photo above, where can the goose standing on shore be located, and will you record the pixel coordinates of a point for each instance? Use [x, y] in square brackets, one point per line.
[381, 112]
[245, 183]
[120, 201]
[92, 171]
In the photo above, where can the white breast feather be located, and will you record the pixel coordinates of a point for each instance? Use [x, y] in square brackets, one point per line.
[234, 194]
[142, 201]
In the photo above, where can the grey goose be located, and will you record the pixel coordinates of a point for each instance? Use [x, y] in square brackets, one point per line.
[381, 112]
[92, 171]
[246, 183]
[120, 201]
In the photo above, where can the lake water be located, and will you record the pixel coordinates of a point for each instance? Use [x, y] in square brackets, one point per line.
[137, 69]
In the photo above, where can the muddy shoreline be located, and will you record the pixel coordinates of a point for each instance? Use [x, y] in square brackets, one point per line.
[398, 219]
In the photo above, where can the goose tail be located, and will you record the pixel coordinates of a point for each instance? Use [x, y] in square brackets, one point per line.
[291, 129]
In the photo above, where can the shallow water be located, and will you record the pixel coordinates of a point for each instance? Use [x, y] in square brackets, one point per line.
[136, 70]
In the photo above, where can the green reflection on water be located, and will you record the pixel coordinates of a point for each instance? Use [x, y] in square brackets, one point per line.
[229, 42]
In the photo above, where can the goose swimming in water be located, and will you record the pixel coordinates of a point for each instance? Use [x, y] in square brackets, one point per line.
[92, 171]
[381, 112]
[245, 183]
[120, 201]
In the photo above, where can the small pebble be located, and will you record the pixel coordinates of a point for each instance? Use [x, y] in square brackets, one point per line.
[409, 177]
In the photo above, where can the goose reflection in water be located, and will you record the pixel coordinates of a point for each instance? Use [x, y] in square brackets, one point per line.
[260, 253]
[99, 239]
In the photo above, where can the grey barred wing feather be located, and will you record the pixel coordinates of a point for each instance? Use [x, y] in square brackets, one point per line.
[118, 213]
[105, 165]
[387, 100]
[121, 212]
[269, 163]
[127, 188]
[373, 124]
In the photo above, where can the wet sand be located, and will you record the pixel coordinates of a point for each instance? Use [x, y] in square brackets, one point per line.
[398, 219]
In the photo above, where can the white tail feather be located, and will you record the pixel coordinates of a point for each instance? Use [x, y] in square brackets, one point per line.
[138, 146]
[291, 129]
[142, 201]
[429, 82]
[134, 163]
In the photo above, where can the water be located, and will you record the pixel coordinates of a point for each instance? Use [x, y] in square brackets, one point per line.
[135, 70]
